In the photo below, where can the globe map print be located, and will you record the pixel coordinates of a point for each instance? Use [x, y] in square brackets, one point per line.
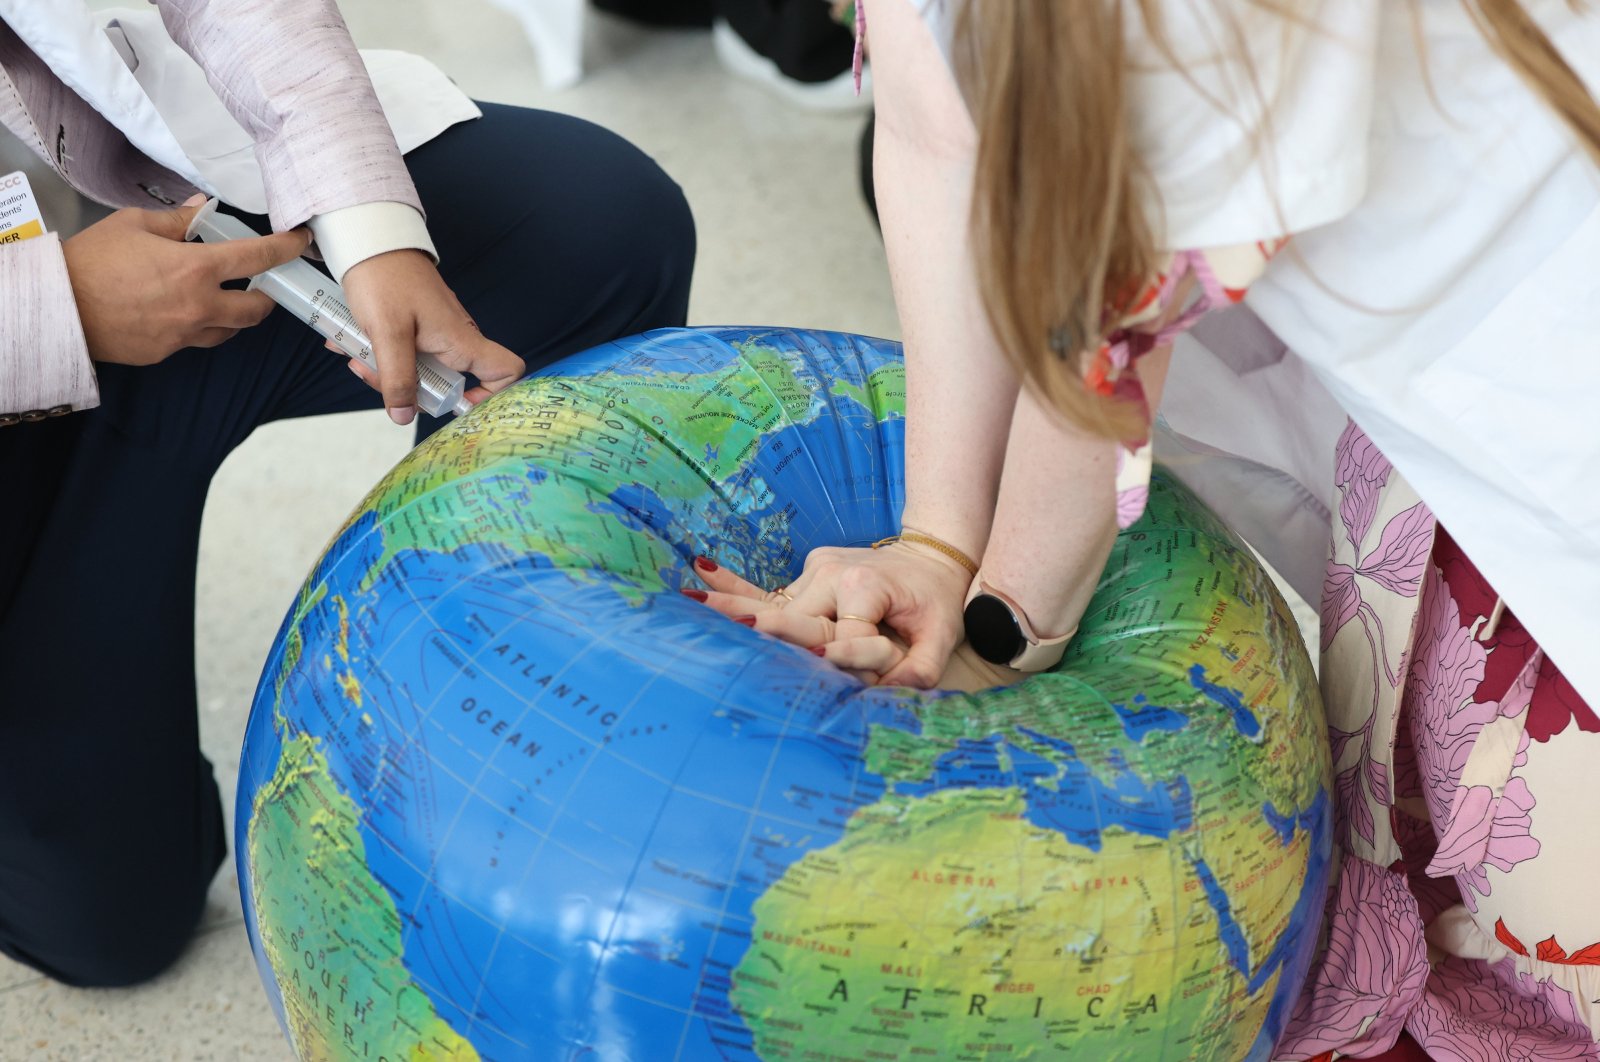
[506, 794]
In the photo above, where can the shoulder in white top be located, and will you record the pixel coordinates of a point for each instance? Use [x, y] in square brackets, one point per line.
[1244, 149]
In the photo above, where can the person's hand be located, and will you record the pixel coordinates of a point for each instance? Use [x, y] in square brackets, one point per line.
[843, 599]
[404, 306]
[143, 293]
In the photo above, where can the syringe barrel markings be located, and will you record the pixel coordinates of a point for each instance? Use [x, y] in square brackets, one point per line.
[306, 292]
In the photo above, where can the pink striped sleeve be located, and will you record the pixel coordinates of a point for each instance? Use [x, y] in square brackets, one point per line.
[44, 360]
[289, 72]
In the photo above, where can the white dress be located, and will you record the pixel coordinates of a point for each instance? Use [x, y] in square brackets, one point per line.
[1440, 289]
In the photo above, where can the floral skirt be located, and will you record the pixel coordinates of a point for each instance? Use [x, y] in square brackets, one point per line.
[1466, 768]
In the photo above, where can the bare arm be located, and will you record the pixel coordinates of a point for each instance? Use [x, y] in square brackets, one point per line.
[1057, 513]
[1056, 519]
[960, 389]
[989, 467]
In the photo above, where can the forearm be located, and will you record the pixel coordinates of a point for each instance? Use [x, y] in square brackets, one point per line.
[290, 74]
[1055, 520]
[960, 393]
[960, 389]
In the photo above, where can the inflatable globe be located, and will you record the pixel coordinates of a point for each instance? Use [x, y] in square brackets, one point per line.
[506, 794]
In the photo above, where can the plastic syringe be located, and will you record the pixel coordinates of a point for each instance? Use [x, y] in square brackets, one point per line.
[308, 294]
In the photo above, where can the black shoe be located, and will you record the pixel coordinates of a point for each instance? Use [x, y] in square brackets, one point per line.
[661, 12]
[800, 36]
[869, 191]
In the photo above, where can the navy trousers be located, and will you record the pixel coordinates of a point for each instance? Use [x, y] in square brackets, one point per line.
[555, 234]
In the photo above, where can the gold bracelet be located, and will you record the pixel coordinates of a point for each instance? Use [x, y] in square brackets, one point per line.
[908, 535]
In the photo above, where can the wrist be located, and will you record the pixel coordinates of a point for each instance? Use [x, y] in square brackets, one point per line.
[349, 236]
[407, 256]
[1000, 631]
[1052, 577]
[954, 560]
[1048, 606]
[959, 577]
[963, 535]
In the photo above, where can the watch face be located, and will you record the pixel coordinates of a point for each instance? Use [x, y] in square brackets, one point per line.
[992, 630]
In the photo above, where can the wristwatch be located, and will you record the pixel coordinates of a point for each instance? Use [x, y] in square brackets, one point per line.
[998, 630]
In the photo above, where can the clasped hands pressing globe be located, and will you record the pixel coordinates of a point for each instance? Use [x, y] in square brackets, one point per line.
[890, 616]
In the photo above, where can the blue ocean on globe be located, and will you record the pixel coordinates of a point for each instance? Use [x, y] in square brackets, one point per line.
[506, 794]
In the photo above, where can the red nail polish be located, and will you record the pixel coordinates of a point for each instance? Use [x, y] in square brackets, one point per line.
[748, 621]
[818, 650]
[692, 594]
[705, 564]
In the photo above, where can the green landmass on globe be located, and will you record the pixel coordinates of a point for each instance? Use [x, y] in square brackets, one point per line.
[506, 794]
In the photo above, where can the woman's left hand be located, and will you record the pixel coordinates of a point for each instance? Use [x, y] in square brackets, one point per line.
[843, 601]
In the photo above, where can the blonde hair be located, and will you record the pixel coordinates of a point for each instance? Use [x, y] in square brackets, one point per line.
[1059, 225]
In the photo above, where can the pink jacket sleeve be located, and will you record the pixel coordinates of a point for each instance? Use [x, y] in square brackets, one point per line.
[44, 360]
[290, 74]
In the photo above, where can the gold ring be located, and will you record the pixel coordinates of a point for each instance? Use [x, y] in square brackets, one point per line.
[858, 619]
[783, 592]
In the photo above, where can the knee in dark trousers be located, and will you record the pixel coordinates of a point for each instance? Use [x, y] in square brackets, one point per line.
[555, 234]
[633, 225]
[103, 937]
[117, 904]
[561, 236]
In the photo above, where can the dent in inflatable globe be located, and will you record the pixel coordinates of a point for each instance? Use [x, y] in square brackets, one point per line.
[505, 794]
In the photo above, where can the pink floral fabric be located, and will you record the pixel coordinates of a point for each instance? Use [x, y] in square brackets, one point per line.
[1432, 721]
[1368, 612]
[1375, 953]
[1478, 825]
[1477, 1011]
[1150, 320]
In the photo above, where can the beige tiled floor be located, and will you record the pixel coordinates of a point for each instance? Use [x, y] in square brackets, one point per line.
[784, 239]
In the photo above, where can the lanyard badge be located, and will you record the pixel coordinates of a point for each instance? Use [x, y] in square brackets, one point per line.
[20, 218]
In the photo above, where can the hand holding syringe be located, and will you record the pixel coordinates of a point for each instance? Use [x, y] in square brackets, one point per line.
[304, 291]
